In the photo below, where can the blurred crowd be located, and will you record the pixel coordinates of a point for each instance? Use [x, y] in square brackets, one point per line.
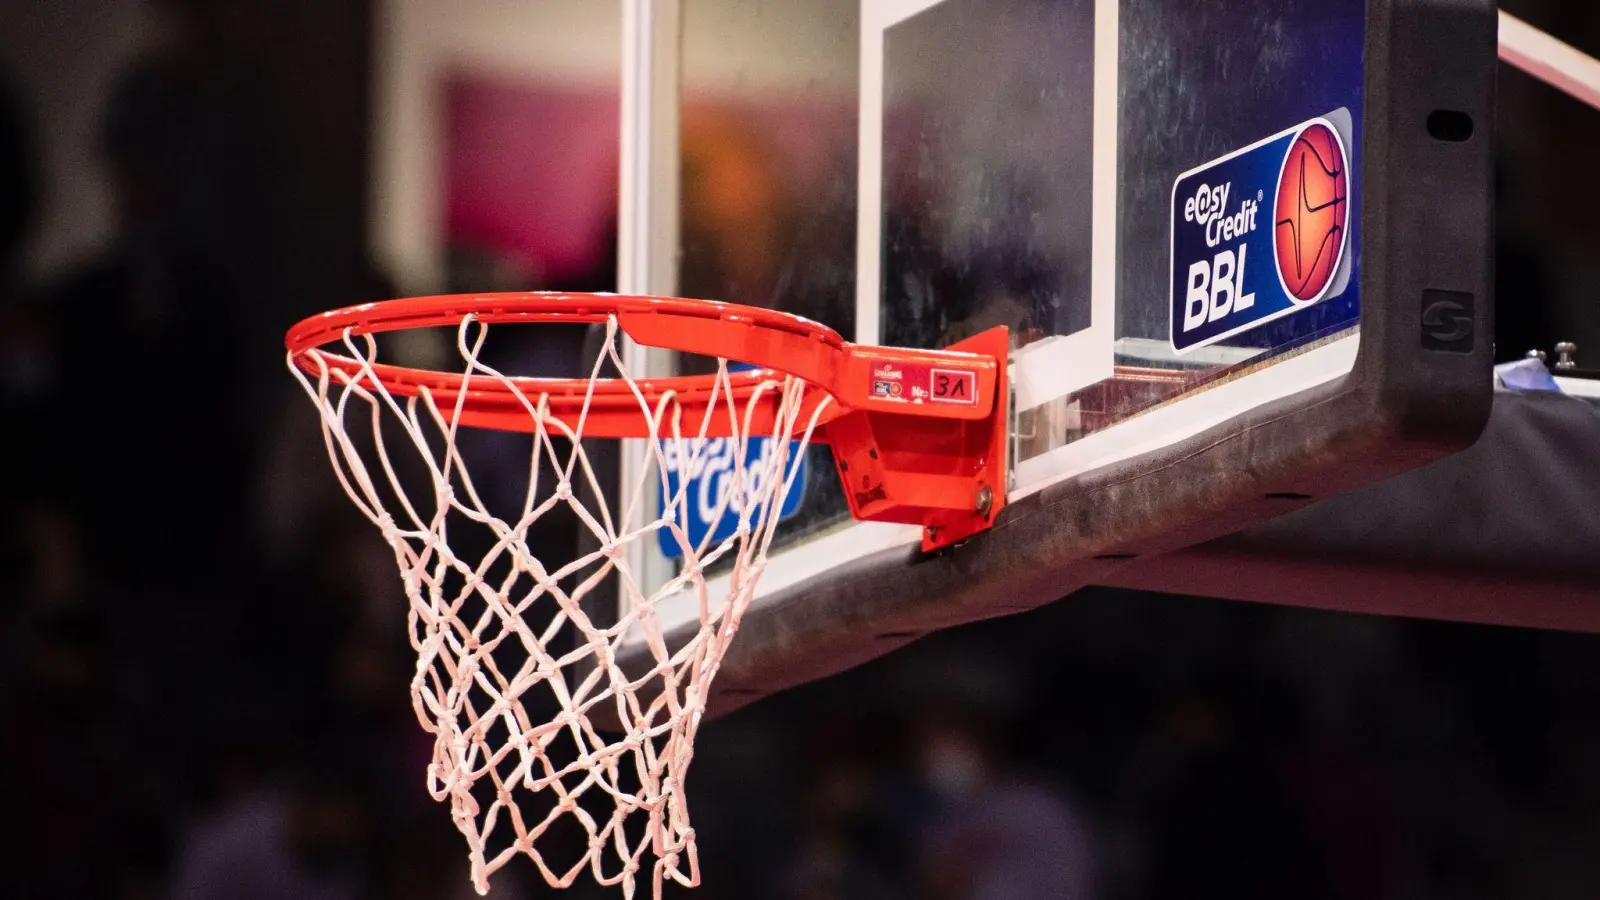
[204, 669]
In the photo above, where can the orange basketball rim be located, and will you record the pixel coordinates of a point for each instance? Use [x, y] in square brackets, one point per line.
[918, 436]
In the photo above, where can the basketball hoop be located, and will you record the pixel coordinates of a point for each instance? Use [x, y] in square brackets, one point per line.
[516, 679]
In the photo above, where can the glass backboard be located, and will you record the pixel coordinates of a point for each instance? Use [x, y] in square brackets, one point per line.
[1169, 204]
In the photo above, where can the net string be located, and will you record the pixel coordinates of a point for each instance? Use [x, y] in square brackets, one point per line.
[495, 761]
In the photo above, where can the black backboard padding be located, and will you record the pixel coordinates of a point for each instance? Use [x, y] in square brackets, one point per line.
[1504, 533]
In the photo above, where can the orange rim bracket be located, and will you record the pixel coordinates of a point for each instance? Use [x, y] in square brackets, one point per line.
[947, 475]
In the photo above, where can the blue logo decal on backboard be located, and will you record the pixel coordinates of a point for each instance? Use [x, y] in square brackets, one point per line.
[704, 470]
[1260, 233]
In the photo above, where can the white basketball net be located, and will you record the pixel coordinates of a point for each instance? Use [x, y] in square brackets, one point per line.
[511, 667]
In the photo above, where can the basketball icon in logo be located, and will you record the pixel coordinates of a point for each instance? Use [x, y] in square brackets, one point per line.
[1312, 212]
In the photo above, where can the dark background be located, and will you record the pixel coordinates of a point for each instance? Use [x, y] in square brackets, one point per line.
[203, 667]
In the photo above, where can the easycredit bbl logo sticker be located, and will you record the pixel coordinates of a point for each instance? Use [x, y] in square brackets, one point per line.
[1261, 232]
[706, 480]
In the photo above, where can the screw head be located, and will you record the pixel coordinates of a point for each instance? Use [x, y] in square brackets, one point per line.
[1565, 353]
[984, 501]
[1536, 354]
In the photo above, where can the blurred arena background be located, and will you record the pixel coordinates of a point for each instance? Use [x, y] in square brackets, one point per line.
[203, 665]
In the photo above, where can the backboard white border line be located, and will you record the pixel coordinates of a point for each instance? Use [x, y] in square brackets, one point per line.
[647, 215]
[1058, 367]
[1141, 434]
